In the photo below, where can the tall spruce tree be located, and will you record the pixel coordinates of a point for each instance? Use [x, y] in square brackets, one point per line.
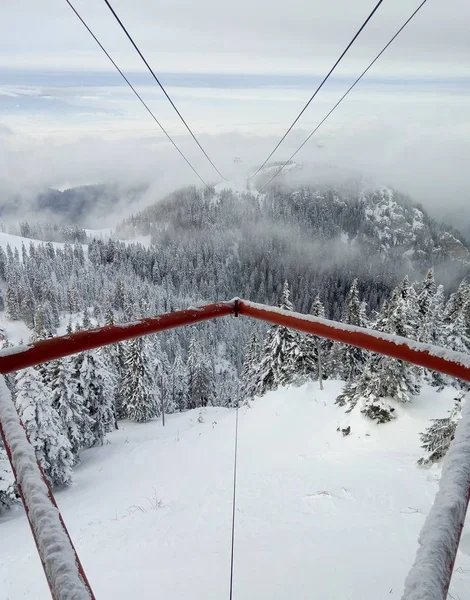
[250, 368]
[385, 380]
[280, 354]
[457, 337]
[346, 362]
[7, 481]
[200, 377]
[436, 439]
[96, 387]
[178, 381]
[69, 404]
[138, 386]
[44, 427]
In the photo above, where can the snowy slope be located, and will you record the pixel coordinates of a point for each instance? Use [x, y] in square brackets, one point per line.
[16, 241]
[319, 515]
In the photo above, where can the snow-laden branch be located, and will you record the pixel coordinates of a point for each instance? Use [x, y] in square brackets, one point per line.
[430, 575]
[54, 546]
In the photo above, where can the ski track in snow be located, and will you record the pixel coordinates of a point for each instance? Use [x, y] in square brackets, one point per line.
[319, 515]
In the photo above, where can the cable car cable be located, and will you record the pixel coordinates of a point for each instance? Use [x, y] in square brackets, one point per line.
[320, 86]
[123, 27]
[346, 93]
[137, 94]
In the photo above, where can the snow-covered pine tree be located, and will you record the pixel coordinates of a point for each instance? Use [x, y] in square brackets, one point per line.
[456, 302]
[86, 321]
[200, 380]
[96, 387]
[178, 381]
[432, 331]
[9, 377]
[315, 348]
[250, 367]
[346, 362]
[7, 481]
[161, 373]
[138, 385]
[44, 427]
[457, 337]
[436, 439]
[70, 407]
[385, 380]
[279, 364]
[427, 291]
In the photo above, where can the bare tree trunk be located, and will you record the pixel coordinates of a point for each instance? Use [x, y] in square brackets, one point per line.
[163, 401]
[320, 364]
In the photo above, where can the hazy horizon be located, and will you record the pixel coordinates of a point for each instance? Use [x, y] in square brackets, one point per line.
[239, 75]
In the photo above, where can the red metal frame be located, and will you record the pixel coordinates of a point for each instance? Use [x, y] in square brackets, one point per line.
[46, 350]
[52, 349]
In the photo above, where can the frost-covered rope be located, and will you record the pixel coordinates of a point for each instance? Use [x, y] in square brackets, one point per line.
[63, 570]
[429, 578]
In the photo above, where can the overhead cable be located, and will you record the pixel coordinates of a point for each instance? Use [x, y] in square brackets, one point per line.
[161, 86]
[320, 86]
[346, 93]
[137, 94]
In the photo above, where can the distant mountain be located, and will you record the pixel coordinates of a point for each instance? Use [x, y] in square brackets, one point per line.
[307, 230]
[83, 206]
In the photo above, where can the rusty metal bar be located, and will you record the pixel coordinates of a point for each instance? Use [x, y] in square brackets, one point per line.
[435, 358]
[14, 359]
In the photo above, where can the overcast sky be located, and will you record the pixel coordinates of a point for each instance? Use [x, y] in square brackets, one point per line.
[239, 72]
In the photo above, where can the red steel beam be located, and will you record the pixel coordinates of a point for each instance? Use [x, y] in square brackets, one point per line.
[14, 359]
[451, 363]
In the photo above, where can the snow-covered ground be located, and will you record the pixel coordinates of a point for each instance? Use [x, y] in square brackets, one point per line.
[16, 241]
[318, 515]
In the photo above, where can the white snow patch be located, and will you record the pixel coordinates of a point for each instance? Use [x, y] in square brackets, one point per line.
[16, 241]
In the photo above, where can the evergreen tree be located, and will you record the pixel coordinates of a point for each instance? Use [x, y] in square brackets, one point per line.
[13, 304]
[138, 388]
[316, 348]
[86, 321]
[96, 386]
[456, 302]
[200, 382]
[436, 439]
[428, 290]
[7, 482]
[279, 364]
[457, 337]
[44, 427]
[345, 361]
[179, 383]
[385, 380]
[69, 404]
[250, 367]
